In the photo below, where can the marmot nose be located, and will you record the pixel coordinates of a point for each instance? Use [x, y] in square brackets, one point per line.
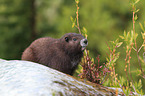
[86, 41]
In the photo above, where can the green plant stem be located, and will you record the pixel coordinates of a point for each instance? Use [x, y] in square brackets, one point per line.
[136, 43]
[77, 16]
[126, 66]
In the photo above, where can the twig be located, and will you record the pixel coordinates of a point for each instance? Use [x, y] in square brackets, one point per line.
[77, 16]
[126, 67]
[134, 49]
[140, 48]
[136, 43]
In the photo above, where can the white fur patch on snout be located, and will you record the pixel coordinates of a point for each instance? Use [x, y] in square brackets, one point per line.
[83, 44]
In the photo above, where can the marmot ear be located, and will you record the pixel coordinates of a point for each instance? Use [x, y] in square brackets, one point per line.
[66, 39]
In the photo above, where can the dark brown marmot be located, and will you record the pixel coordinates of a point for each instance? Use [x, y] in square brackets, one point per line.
[62, 54]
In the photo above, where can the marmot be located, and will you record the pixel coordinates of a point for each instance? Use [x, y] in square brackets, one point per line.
[62, 54]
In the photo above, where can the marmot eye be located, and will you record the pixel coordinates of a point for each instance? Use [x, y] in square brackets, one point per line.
[66, 39]
[75, 39]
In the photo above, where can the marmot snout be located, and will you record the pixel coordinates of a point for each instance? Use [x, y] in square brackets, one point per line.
[62, 54]
[84, 43]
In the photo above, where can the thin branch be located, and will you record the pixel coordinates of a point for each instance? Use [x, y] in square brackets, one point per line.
[77, 16]
[140, 48]
[136, 43]
[134, 49]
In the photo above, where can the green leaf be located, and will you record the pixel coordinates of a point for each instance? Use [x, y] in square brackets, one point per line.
[126, 91]
[141, 26]
[137, 1]
[84, 30]
[73, 21]
[137, 10]
[138, 72]
[73, 25]
[136, 35]
[138, 85]
[77, 1]
[127, 37]
[132, 34]
[122, 80]
[71, 18]
[143, 36]
[121, 37]
[136, 17]
[119, 44]
[93, 60]
[124, 34]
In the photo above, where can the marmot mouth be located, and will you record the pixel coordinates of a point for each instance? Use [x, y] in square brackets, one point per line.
[83, 43]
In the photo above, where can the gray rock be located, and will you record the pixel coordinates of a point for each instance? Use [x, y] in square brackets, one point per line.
[24, 78]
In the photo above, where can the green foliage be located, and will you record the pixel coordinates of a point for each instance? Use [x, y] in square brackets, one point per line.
[133, 4]
[138, 87]
[142, 27]
[77, 1]
[129, 37]
[113, 56]
[93, 74]
[126, 91]
[14, 28]
[130, 40]
[73, 21]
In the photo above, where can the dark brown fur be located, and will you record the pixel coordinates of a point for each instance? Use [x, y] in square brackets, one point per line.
[62, 54]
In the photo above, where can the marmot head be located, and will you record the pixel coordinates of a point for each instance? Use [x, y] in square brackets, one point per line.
[74, 43]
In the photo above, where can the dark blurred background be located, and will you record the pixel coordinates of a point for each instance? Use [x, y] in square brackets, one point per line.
[22, 21]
